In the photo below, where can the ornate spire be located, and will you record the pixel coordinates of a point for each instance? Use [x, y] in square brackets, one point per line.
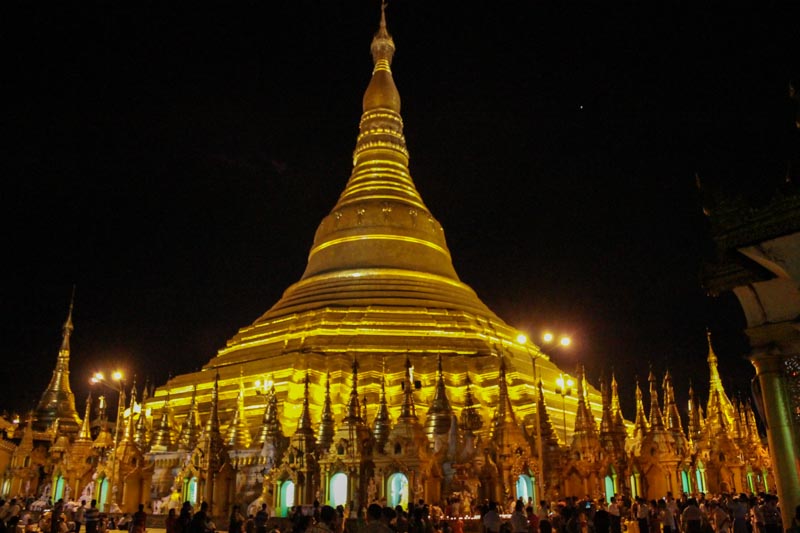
[656, 418]
[640, 425]
[408, 411]
[238, 436]
[271, 429]
[129, 421]
[752, 428]
[190, 429]
[353, 410]
[606, 421]
[85, 433]
[162, 440]
[471, 419]
[304, 423]
[380, 207]
[549, 435]
[303, 439]
[383, 423]
[672, 421]
[327, 425]
[58, 401]
[213, 446]
[718, 402]
[584, 419]
[440, 414]
[696, 422]
[616, 409]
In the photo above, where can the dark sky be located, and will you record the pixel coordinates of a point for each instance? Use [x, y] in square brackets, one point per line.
[174, 165]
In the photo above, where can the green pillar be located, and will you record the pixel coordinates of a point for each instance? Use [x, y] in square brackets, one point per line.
[784, 446]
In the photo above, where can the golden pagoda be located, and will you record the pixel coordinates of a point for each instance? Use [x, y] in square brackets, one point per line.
[379, 289]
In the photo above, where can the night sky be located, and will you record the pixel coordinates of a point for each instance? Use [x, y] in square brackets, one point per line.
[174, 165]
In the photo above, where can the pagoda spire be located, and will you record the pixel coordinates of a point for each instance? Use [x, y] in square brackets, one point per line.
[162, 440]
[129, 421]
[607, 420]
[238, 433]
[271, 430]
[656, 418]
[470, 420]
[190, 429]
[440, 414]
[640, 425]
[408, 411]
[303, 439]
[616, 408]
[85, 433]
[382, 425]
[584, 419]
[304, 422]
[327, 425]
[504, 412]
[380, 208]
[353, 410]
[695, 427]
[672, 420]
[549, 435]
[58, 401]
[717, 398]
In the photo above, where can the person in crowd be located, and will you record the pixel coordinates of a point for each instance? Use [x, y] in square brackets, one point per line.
[327, 523]
[667, 518]
[261, 519]
[519, 521]
[201, 523]
[773, 523]
[375, 522]
[533, 519]
[614, 516]
[91, 517]
[602, 519]
[692, 517]
[139, 520]
[236, 521]
[491, 519]
[79, 516]
[171, 522]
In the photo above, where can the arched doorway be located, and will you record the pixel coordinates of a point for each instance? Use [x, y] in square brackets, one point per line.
[397, 490]
[685, 483]
[610, 484]
[102, 494]
[286, 497]
[190, 491]
[59, 492]
[337, 489]
[700, 474]
[525, 488]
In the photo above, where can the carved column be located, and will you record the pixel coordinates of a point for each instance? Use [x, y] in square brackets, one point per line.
[784, 445]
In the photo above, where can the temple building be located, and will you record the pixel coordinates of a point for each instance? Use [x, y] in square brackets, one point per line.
[379, 376]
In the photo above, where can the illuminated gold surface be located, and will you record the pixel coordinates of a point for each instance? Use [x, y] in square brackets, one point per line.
[379, 287]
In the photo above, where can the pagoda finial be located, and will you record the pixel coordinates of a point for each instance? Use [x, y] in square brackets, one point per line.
[656, 418]
[304, 423]
[190, 429]
[471, 420]
[129, 422]
[238, 436]
[440, 414]
[382, 424]
[353, 410]
[408, 410]
[584, 419]
[162, 440]
[327, 423]
[640, 424]
[85, 432]
[58, 401]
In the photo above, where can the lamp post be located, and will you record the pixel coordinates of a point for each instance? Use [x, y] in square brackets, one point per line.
[564, 388]
[116, 384]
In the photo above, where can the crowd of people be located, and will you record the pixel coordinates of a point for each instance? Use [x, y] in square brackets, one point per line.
[725, 513]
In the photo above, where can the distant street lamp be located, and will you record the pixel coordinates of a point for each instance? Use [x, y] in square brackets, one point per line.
[564, 388]
[116, 384]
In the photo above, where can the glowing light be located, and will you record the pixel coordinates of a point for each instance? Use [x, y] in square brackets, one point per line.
[547, 337]
[522, 338]
[98, 376]
[565, 341]
[117, 375]
[564, 383]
